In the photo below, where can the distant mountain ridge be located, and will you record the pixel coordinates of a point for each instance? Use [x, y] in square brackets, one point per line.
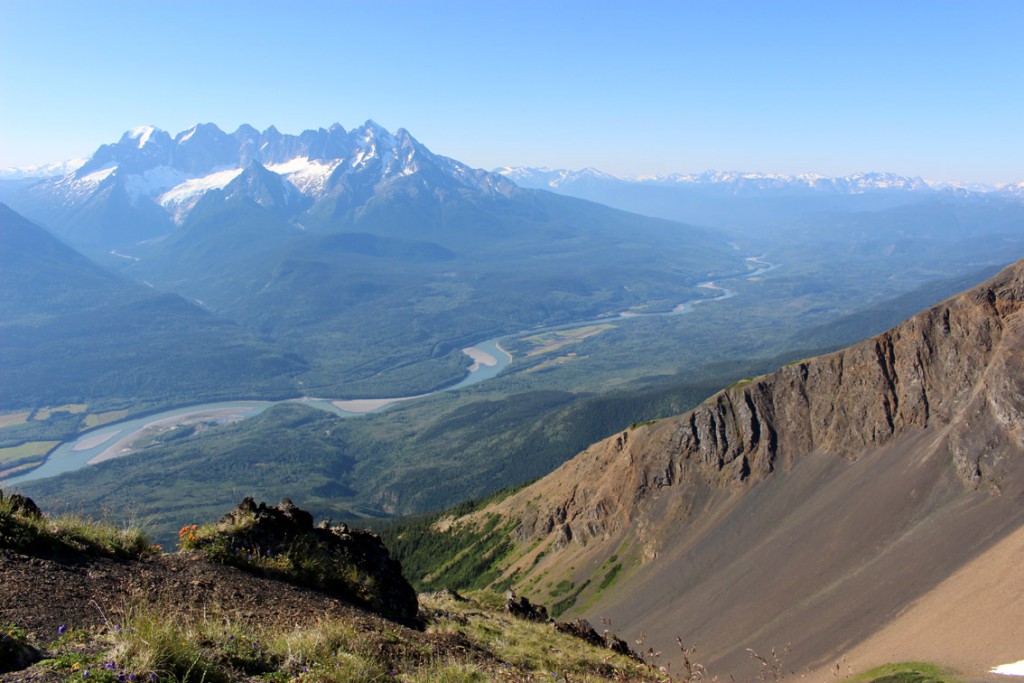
[745, 182]
[756, 204]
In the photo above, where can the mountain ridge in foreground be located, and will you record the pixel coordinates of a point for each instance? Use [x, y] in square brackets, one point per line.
[808, 507]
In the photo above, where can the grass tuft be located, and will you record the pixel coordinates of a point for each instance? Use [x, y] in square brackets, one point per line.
[70, 533]
[907, 672]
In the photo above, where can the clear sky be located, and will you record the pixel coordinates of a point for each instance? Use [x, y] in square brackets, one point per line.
[934, 89]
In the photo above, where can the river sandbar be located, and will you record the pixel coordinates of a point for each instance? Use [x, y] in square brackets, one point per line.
[366, 405]
[124, 446]
[95, 440]
[480, 358]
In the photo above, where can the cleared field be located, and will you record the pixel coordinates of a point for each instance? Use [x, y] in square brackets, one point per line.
[546, 342]
[26, 450]
[73, 408]
[11, 419]
[98, 419]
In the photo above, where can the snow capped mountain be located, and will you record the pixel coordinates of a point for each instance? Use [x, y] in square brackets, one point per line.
[174, 173]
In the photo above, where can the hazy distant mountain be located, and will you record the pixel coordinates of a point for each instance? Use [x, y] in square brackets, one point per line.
[41, 170]
[740, 200]
[733, 182]
[71, 330]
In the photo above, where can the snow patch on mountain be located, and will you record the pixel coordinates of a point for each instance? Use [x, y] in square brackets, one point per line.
[187, 134]
[142, 134]
[153, 182]
[86, 185]
[309, 176]
[182, 198]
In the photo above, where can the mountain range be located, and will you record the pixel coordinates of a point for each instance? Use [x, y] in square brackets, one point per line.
[741, 182]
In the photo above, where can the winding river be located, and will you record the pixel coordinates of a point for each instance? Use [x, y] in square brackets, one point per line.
[488, 360]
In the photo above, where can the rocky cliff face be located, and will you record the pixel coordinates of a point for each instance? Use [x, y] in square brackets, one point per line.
[955, 368]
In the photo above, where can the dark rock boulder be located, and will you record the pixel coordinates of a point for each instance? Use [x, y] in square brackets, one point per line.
[521, 607]
[22, 505]
[581, 628]
[15, 654]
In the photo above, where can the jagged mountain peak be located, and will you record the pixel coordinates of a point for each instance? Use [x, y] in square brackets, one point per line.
[201, 130]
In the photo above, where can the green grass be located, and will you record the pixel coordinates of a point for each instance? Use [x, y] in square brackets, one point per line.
[97, 419]
[530, 647]
[166, 644]
[610, 577]
[567, 602]
[71, 533]
[906, 672]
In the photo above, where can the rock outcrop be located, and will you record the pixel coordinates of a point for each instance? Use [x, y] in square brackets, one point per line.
[15, 654]
[22, 505]
[521, 607]
[581, 628]
[282, 540]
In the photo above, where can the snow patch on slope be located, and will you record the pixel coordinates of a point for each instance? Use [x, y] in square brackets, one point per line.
[308, 176]
[1014, 669]
[142, 134]
[153, 182]
[182, 198]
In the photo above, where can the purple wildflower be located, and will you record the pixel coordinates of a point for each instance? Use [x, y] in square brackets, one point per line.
[61, 630]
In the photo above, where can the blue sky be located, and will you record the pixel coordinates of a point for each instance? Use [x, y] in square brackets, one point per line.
[934, 89]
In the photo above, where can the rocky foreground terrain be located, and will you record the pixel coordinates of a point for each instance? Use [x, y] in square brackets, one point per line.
[262, 596]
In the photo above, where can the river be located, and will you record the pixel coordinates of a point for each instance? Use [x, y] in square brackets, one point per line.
[488, 360]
